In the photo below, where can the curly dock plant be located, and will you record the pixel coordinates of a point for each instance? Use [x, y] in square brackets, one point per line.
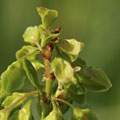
[48, 80]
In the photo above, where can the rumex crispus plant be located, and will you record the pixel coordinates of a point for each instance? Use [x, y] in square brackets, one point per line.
[49, 80]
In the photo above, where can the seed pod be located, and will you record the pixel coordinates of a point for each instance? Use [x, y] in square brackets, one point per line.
[63, 70]
[71, 47]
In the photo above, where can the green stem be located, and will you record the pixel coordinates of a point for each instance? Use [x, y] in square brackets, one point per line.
[47, 77]
[48, 87]
[63, 101]
[38, 46]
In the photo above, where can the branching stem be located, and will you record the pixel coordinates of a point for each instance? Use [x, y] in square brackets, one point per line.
[63, 101]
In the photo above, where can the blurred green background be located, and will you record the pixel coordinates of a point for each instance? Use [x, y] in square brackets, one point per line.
[96, 22]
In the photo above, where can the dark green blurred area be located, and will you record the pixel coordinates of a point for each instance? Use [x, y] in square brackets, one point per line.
[96, 22]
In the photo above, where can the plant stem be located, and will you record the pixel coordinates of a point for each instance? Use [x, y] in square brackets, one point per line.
[47, 77]
[63, 101]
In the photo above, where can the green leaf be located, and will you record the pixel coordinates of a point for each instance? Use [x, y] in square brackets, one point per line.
[10, 103]
[48, 16]
[78, 114]
[25, 112]
[94, 79]
[63, 70]
[32, 35]
[90, 114]
[37, 64]
[71, 47]
[36, 108]
[14, 100]
[2, 95]
[83, 114]
[55, 114]
[55, 52]
[27, 51]
[79, 62]
[31, 73]
[14, 115]
[77, 92]
[31, 53]
[45, 108]
[4, 115]
[13, 78]
[28, 87]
